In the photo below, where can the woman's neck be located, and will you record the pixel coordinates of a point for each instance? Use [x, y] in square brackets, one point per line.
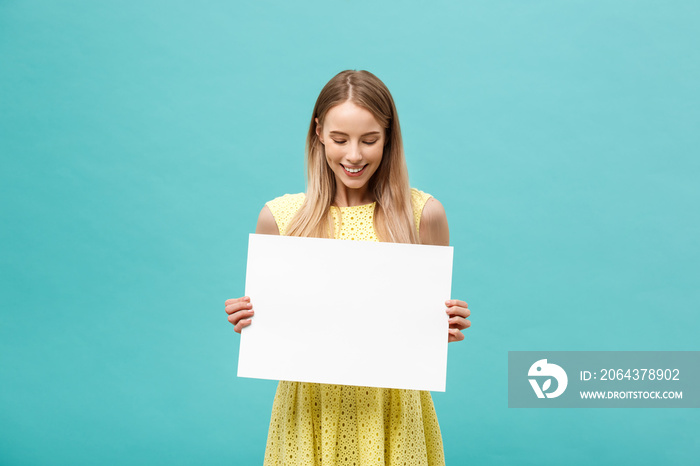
[345, 197]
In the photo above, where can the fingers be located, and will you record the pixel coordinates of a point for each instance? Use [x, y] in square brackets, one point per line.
[458, 311]
[237, 316]
[240, 319]
[459, 308]
[454, 335]
[241, 324]
[456, 302]
[232, 305]
[459, 323]
[239, 311]
[239, 304]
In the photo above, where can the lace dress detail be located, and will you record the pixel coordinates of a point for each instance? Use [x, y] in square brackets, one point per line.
[332, 425]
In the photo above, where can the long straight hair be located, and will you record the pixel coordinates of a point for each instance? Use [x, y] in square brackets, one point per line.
[393, 217]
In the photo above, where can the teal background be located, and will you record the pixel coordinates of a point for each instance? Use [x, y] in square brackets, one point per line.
[139, 141]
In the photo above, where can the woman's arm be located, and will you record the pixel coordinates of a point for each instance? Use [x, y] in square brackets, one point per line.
[240, 310]
[434, 230]
[266, 223]
[433, 224]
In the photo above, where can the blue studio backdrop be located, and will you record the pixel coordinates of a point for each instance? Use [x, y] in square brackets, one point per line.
[139, 141]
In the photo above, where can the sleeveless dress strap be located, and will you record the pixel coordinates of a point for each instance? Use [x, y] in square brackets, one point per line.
[418, 199]
[284, 208]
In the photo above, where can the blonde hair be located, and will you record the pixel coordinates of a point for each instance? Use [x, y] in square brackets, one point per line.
[393, 216]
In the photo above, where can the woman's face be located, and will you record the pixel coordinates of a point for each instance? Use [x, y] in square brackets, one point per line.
[354, 143]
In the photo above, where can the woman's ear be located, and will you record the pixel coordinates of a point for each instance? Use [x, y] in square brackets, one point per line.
[318, 131]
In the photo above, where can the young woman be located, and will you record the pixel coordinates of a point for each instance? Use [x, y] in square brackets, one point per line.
[357, 189]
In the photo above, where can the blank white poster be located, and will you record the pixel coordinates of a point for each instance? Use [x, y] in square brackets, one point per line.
[347, 312]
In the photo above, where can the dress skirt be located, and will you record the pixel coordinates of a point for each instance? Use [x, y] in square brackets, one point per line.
[320, 424]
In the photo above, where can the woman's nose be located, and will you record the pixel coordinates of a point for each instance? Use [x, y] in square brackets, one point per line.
[354, 154]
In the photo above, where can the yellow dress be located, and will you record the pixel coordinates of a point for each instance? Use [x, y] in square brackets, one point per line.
[332, 425]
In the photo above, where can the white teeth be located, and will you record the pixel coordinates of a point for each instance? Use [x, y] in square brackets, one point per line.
[354, 170]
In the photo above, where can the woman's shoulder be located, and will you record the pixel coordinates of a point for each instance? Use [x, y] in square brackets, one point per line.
[283, 209]
[431, 220]
[418, 199]
[287, 200]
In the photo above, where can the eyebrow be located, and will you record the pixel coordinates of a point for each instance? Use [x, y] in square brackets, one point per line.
[371, 133]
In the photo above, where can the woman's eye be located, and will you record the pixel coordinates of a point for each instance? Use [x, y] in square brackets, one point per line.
[338, 141]
[369, 143]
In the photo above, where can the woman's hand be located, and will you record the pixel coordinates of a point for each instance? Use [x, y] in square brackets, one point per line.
[239, 311]
[458, 312]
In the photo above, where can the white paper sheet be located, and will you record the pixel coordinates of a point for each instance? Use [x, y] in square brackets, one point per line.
[347, 312]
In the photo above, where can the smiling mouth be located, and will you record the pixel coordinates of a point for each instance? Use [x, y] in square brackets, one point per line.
[353, 171]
